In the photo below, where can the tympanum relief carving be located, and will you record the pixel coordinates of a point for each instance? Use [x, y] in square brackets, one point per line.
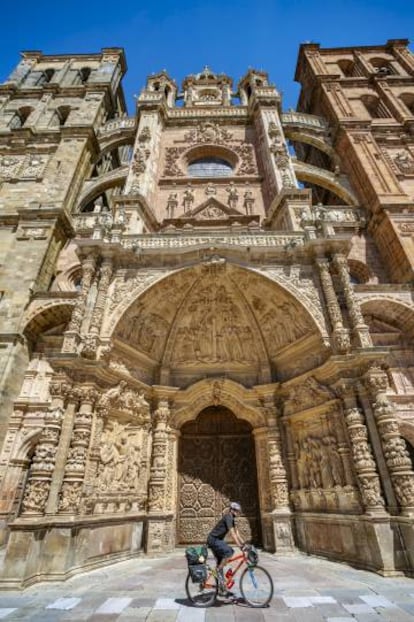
[214, 318]
[214, 328]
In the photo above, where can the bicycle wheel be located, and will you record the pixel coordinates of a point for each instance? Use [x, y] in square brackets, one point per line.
[256, 586]
[202, 594]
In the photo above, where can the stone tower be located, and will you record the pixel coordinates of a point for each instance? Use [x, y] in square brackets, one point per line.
[207, 301]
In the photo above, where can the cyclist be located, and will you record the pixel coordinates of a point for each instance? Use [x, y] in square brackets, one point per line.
[223, 551]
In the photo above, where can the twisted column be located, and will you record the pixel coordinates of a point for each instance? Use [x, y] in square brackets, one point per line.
[72, 335]
[279, 487]
[360, 329]
[158, 470]
[38, 488]
[340, 334]
[364, 464]
[91, 340]
[395, 453]
[70, 494]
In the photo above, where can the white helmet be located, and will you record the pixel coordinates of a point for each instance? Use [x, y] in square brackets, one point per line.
[235, 506]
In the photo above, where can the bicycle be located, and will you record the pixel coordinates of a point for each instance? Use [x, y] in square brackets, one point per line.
[255, 584]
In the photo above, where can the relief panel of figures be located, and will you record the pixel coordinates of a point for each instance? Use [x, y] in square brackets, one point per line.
[214, 328]
[147, 324]
[321, 472]
[118, 468]
[281, 319]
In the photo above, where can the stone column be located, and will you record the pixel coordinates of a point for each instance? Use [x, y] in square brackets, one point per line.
[62, 450]
[340, 334]
[279, 487]
[172, 483]
[39, 486]
[395, 453]
[359, 328]
[71, 492]
[13, 463]
[158, 531]
[364, 464]
[91, 340]
[264, 490]
[72, 335]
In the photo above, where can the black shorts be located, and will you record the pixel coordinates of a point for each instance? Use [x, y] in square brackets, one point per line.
[220, 548]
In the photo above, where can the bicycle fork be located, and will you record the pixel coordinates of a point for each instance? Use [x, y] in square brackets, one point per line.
[252, 577]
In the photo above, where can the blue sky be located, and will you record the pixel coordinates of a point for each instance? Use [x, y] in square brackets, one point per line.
[183, 36]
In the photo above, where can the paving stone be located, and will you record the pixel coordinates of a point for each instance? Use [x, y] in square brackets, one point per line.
[356, 609]
[162, 615]
[297, 601]
[6, 611]
[64, 603]
[376, 601]
[191, 614]
[322, 600]
[328, 592]
[166, 603]
[114, 605]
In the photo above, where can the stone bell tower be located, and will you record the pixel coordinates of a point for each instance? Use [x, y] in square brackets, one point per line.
[209, 272]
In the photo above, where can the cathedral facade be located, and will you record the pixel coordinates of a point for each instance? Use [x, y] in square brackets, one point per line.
[210, 300]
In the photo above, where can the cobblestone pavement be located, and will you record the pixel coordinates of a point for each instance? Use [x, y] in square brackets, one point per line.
[306, 589]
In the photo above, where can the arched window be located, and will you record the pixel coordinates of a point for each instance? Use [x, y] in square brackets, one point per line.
[81, 75]
[45, 76]
[210, 167]
[382, 67]
[84, 74]
[347, 66]
[375, 107]
[62, 114]
[20, 117]
[408, 100]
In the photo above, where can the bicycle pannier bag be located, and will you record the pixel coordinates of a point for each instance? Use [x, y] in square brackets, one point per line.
[198, 573]
[196, 555]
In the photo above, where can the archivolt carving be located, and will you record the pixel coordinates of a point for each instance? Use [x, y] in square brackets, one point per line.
[164, 298]
[212, 317]
[206, 393]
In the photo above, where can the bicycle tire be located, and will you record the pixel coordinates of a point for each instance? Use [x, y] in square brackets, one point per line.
[256, 586]
[200, 596]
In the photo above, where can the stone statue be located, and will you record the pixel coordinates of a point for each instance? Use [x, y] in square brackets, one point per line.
[233, 197]
[248, 202]
[172, 204]
[188, 199]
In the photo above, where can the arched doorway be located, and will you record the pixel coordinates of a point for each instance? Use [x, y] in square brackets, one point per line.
[217, 464]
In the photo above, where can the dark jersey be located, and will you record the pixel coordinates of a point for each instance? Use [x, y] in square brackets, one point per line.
[223, 526]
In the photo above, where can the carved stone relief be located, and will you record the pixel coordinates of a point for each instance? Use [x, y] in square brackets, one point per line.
[119, 459]
[208, 132]
[214, 327]
[322, 478]
[31, 166]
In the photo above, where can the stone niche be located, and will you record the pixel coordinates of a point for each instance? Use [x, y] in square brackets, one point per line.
[38, 552]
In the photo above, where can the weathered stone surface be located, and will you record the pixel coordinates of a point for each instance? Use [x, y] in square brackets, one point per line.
[175, 305]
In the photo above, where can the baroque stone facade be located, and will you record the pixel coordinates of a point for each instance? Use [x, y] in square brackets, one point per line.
[190, 313]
